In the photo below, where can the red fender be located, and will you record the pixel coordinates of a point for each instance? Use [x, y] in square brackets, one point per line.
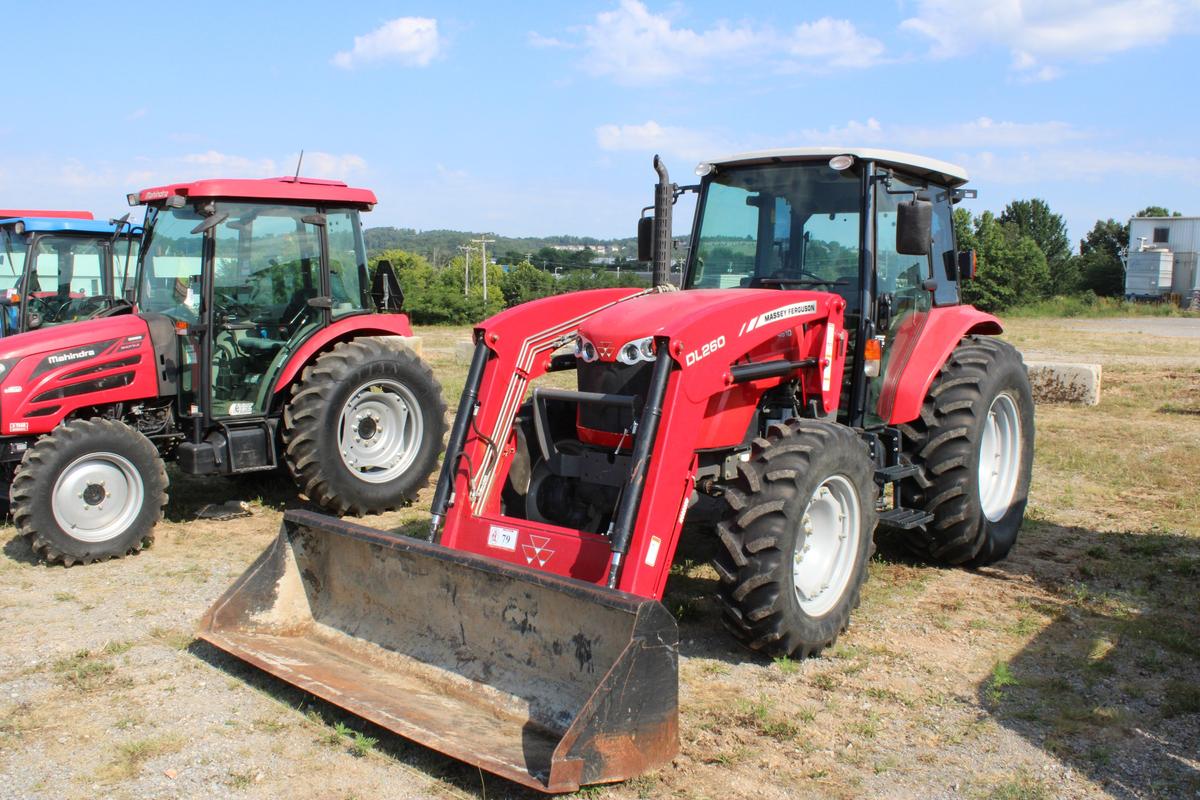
[922, 345]
[342, 330]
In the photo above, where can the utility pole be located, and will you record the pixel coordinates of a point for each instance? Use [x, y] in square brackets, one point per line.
[466, 251]
[483, 243]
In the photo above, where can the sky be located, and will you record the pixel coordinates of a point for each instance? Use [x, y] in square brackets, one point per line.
[530, 119]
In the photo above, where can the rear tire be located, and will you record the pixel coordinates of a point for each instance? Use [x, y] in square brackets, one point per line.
[90, 490]
[364, 427]
[797, 538]
[979, 409]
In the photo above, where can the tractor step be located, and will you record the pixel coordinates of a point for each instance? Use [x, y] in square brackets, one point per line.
[904, 519]
[896, 472]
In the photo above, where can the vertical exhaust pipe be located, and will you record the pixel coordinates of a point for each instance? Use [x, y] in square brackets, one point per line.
[664, 200]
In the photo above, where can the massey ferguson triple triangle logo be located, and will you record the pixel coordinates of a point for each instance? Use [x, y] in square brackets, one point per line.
[537, 550]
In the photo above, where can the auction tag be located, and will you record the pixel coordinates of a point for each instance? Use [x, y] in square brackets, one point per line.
[503, 538]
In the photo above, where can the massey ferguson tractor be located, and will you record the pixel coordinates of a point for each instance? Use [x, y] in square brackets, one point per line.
[61, 266]
[253, 342]
[816, 372]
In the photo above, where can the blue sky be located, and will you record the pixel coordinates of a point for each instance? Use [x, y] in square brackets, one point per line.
[540, 118]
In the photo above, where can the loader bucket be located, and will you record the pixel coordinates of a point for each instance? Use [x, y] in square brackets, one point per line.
[547, 681]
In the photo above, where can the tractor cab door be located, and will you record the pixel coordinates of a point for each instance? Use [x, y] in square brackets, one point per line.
[904, 293]
[267, 281]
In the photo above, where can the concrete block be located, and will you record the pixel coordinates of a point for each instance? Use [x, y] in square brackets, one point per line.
[1064, 383]
[413, 343]
[464, 349]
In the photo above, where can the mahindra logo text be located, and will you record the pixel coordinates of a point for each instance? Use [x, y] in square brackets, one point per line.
[63, 358]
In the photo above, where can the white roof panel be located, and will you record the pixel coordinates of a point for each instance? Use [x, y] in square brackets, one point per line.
[940, 171]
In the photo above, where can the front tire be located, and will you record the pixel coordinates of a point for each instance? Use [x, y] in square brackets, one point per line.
[974, 444]
[364, 427]
[797, 538]
[90, 490]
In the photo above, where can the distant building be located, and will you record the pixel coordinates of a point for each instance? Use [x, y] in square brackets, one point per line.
[1162, 259]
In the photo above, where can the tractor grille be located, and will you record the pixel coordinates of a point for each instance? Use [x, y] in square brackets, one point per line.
[611, 378]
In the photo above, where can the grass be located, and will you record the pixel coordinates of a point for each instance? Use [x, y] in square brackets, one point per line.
[84, 671]
[1091, 306]
[130, 756]
[1002, 678]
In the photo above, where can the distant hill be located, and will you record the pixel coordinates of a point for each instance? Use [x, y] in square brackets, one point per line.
[439, 246]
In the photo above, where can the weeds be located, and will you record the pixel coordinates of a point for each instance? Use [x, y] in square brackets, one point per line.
[131, 755]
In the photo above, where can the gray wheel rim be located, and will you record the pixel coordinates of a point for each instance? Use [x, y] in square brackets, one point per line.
[827, 547]
[380, 430]
[97, 497]
[999, 458]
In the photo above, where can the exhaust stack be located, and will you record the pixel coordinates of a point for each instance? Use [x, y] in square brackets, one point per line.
[664, 200]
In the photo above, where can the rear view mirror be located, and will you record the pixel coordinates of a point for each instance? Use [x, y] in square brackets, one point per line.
[645, 239]
[914, 227]
[966, 265]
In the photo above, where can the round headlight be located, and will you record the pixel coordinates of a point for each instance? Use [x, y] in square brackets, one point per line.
[647, 348]
[589, 352]
[630, 354]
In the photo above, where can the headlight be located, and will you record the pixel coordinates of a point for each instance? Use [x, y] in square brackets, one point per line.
[636, 351]
[585, 350]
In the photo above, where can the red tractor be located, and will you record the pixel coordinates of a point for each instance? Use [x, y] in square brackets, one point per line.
[252, 343]
[817, 374]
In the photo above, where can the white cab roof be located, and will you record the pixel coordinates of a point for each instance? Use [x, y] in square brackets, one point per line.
[938, 171]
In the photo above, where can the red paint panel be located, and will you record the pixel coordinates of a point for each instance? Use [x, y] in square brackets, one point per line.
[921, 350]
[69, 366]
[342, 330]
[299, 190]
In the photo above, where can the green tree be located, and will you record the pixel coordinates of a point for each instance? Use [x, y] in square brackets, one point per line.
[1100, 257]
[1033, 218]
[1012, 268]
[1157, 211]
[525, 282]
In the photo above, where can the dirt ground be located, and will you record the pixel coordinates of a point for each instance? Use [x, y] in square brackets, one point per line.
[1072, 669]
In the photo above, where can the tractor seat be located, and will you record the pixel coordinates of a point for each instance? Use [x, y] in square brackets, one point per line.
[260, 344]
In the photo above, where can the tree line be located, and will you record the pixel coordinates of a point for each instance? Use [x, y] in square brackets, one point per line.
[453, 294]
[1024, 255]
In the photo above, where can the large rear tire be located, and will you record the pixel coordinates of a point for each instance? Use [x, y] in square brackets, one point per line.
[90, 490]
[364, 427]
[797, 538]
[974, 444]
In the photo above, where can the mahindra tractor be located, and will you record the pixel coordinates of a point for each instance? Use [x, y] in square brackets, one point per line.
[253, 343]
[816, 375]
[61, 266]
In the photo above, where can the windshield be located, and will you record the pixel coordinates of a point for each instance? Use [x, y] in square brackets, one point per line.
[793, 225]
[12, 259]
[170, 265]
[67, 267]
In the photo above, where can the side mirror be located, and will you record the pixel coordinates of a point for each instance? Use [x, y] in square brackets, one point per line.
[914, 227]
[645, 237]
[966, 265]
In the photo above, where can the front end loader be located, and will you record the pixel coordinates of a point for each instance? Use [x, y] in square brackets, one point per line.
[816, 374]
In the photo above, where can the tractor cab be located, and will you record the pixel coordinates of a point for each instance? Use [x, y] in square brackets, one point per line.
[61, 266]
[247, 271]
[872, 226]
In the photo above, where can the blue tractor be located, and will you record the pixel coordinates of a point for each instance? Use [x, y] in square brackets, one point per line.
[61, 266]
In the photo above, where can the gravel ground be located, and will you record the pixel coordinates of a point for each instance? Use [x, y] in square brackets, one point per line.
[1062, 672]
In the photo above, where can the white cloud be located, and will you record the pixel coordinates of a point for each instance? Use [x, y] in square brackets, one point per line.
[1091, 165]
[832, 42]
[411, 41]
[976, 133]
[633, 46]
[230, 166]
[1049, 31]
[330, 165]
[546, 42]
[650, 137]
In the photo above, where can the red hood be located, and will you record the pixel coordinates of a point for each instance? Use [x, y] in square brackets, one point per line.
[689, 315]
[73, 334]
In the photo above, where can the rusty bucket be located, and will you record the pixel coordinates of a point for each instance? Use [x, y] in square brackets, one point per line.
[549, 682]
